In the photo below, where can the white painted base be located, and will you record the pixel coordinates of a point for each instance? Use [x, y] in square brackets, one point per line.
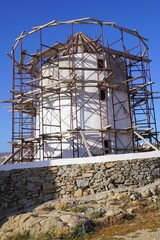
[68, 161]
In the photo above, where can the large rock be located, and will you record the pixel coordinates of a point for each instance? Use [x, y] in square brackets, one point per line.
[71, 219]
[82, 183]
[110, 165]
[111, 186]
[112, 212]
[146, 194]
[48, 186]
[78, 193]
[48, 223]
[98, 175]
[31, 186]
[87, 175]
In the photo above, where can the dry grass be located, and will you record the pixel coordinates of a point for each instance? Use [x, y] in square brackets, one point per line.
[149, 220]
[146, 215]
[60, 233]
[62, 206]
[78, 209]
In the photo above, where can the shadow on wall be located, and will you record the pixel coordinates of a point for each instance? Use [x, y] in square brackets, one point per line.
[21, 190]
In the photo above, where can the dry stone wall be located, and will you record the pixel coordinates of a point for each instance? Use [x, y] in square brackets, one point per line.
[21, 188]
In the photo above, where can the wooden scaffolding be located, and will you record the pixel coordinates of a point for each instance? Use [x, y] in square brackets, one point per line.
[34, 48]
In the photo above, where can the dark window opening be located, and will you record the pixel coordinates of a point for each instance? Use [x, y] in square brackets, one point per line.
[106, 146]
[100, 63]
[102, 94]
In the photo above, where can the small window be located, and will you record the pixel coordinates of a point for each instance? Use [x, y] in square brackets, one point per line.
[100, 63]
[106, 146]
[102, 94]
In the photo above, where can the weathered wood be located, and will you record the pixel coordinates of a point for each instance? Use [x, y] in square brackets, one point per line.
[148, 143]
[20, 67]
[12, 155]
[85, 144]
[16, 44]
[35, 30]
[118, 53]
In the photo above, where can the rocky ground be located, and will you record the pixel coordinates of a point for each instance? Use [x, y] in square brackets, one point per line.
[121, 214]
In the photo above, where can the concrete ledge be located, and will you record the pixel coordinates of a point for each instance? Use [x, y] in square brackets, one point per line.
[85, 160]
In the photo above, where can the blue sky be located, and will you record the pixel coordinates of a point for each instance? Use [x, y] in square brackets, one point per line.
[17, 16]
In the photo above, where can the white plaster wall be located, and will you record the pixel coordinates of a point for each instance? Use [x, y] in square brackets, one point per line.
[88, 114]
[118, 107]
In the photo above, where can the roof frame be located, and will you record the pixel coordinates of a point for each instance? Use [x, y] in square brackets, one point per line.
[86, 20]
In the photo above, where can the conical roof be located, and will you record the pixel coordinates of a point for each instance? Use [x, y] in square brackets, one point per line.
[80, 43]
[77, 43]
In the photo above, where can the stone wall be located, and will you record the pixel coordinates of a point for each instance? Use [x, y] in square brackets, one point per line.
[21, 188]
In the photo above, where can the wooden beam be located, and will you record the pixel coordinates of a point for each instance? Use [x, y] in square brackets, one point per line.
[124, 83]
[132, 32]
[18, 64]
[16, 44]
[148, 143]
[118, 53]
[35, 30]
[23, 55]
[12, 155]
[85, 143]
[137, 88]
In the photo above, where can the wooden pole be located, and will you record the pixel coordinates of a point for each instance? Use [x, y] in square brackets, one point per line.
[136, 133]
[85, 144]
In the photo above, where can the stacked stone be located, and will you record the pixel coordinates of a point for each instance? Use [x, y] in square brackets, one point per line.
[26, 187]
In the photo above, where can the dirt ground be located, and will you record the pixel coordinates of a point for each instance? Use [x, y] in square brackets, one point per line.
[144, 235]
